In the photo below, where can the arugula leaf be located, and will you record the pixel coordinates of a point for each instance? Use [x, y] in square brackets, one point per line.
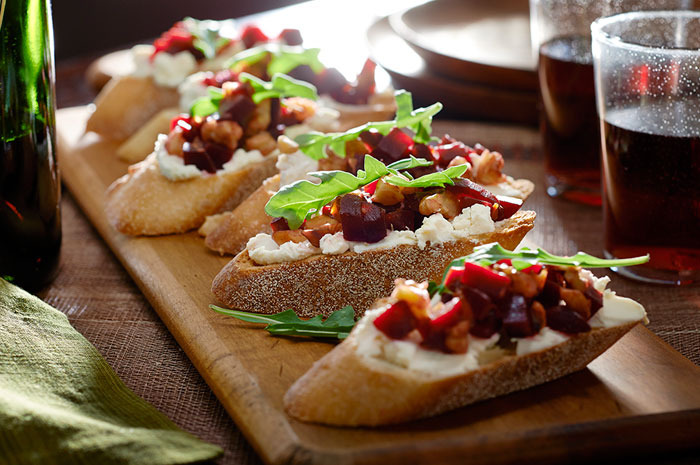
[284, 58]
[489, 254]
[408, 163]
[287, 323]
[314, 144]
[281, 86]
[207, 35]
[296, 202]
[205, 106]
[438, 179]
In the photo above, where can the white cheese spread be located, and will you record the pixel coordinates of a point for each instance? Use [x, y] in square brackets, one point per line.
[175, 169]
[263, 250]
[434, 230]
[192, 89]
[296, 166]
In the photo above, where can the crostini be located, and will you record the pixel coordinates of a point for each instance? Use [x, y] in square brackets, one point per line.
[126, 103]
[229, 233]
[344, 241]
[495, 325]
[212, 158]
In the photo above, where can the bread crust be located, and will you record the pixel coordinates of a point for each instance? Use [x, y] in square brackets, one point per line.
[126, 103]
[322, 284]
[144, 202]
[243, 222]
[249, 218]
[345, 389]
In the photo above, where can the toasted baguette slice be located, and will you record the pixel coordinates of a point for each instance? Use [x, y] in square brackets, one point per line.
[126, 104]
[140, 144]
[321, 284]
[346, 389]
[232, 231]
[144, 202]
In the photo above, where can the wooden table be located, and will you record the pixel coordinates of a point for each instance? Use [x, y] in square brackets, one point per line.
[103, 303]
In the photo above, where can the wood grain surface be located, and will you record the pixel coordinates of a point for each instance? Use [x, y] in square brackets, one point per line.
[639, 396]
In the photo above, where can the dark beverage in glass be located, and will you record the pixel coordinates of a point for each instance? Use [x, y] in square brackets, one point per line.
[30, 219]
[568, 119]
[651, 204]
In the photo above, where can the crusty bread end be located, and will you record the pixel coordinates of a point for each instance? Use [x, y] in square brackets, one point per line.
[144, 202]
[345, 389]
[321, 284]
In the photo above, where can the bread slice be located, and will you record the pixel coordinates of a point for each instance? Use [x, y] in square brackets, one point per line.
[321, 284]
[144, 202]
[232, 231]
[126, 103]
[140, 144]
[346, 389]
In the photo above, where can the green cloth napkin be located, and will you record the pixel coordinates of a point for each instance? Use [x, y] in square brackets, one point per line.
[60, 402]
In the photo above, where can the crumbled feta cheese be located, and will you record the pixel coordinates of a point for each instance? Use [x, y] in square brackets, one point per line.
[435, 229]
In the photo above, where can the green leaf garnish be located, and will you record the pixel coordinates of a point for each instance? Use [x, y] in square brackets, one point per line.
[314, 144]
[207, 35]
[283, 58]
[488, 254]
[438, 179]
[281, 86]
[296, 202]
[8, 278]
[337, 325]
[205, 106]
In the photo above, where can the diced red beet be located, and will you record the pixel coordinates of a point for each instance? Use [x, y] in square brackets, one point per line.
[454, 314]
[596, 298]
[365, 84]
[330, 80]
[304, 73]
[447, 139]
[510, 206]
[480, 303]
[198, 157]
[478, 149]
[275, 116]
[291, 36]
[252, 35]
[549, 296]
[371, 187]
[218, 153]
[397, 144]
[454, 276]
[218, 79]
[238, 109]
[396, 321]
[371, 137]
[487, 326]
[492, 283]
[401, 219]
[422, 151]
[446, 153]
[533, 269]
[566, 320]
[516, 318]
[466, 187]
[279, 224]
[362, 221]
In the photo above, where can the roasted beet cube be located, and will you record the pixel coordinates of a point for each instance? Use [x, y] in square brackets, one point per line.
[365, 83]
[218, 79]
[401, 219]
[510, 206]
[454, 313]
[468, 188]
[362, 221]
[304, 73]
[396, 321]
[550, 294]
[397, 144]
[484, 279]
[446, 153]
[596, 298]
[291, 36]
[371, 137]
[566, 320]
[447, 139]
[238, 108]
[218, 153]
[480, 303]
[454, 276]
[279, 224]
[371, 187]
[516, 318]
[422, 151]
[330, 80]
[252, 35]
[487, 326]
[197, 156]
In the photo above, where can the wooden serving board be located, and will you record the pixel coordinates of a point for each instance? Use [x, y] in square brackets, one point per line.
[641, 395]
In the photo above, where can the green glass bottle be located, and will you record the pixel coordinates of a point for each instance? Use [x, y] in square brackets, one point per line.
[30, 189]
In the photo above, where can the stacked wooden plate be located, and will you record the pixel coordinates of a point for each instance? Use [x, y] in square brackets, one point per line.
[473, 55]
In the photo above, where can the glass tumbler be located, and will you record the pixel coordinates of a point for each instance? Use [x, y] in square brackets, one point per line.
[647, 76]
[560, 32]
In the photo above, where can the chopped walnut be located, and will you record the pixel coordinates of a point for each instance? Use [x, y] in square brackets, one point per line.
[262, 141]
[443, 203]
[300, 108]
[175, 142]
[333, 162]
[487, 167]
[222, 132]
[387, 194]
[286, 145]
[457, 338]
[288, 235]
[260, 119]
